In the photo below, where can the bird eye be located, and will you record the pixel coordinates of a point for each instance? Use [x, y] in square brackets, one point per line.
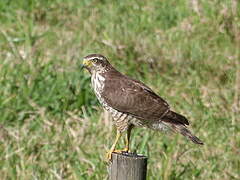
[95, 60]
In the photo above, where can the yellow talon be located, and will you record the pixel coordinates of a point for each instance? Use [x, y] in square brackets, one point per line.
[109, 153]
[109, 156]
[126, 149]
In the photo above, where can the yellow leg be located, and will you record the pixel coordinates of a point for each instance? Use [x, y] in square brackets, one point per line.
[126, 149]
[109, 153]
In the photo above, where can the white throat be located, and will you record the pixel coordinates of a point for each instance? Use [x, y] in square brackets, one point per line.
[97, 81]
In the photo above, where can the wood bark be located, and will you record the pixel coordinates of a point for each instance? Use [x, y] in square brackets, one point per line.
[127, 166]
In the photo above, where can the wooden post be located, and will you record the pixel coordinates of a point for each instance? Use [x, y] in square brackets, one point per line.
[127, 166]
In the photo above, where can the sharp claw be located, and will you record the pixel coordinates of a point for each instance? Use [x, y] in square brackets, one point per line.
[125, 150]
[109, 155]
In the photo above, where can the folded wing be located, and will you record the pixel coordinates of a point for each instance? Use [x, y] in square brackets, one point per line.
[133, 97]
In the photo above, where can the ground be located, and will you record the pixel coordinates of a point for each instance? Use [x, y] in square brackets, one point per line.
[51, 125]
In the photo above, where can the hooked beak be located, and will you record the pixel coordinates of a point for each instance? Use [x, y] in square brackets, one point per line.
[82, 67]
[86, 64]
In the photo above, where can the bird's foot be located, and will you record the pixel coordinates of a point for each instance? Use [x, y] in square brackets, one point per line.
[126, 150]
[109, 153]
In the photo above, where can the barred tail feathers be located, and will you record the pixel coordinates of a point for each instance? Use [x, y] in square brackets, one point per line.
[185, 132]
[178, 123]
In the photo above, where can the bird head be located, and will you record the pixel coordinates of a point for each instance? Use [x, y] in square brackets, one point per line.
[95, 63]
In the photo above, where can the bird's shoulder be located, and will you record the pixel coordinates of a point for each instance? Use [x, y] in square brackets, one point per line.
[116, 81]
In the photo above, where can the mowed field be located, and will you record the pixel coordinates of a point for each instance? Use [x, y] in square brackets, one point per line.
[51, 124]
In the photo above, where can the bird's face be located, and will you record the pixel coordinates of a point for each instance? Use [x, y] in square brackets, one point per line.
[95, 63]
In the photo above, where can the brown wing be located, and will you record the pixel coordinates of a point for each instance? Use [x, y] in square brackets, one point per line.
[133, 97]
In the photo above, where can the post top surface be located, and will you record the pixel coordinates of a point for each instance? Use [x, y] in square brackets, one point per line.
[131, 155]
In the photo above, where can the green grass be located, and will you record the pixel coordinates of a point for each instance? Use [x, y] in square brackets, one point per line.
[51, 125]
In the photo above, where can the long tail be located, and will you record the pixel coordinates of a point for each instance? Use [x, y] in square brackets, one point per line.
[178, 123]
[185, 132]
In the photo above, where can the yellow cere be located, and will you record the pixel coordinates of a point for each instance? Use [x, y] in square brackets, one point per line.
[87, 62]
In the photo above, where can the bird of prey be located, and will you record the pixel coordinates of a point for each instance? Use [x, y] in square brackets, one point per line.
[131, 103]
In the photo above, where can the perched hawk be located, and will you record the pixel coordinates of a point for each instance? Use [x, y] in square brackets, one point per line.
[131, 103]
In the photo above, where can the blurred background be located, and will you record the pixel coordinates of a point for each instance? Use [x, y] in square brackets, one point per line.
[187, 51]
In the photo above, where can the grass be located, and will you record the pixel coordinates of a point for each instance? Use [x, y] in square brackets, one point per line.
[51, 125]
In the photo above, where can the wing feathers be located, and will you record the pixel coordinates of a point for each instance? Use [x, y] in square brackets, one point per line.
[175, 118]
[133, 97]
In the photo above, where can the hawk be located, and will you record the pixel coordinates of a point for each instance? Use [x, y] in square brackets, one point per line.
[131, 103]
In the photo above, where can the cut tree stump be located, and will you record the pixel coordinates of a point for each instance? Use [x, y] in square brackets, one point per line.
[127, 166]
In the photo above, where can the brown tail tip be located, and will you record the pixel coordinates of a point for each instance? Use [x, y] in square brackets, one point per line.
[185, 132]
[196, 140]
